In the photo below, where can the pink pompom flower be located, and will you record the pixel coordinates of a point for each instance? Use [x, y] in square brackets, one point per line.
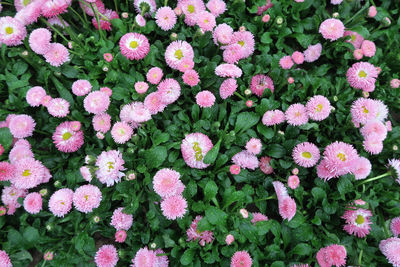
[141, 87]
[12, 31]
[174, 207]
[286, 62]
[372, 11]
[165, 18]
[96, 102]
[241, 259]
[332, 29]
[81, 87]
[357, 221]
[296, 115]
[86, 198]
[273, 117]
[364, 109]
[265, 165]
[368, 48]
[205, 99]
[191, 78]
[246, 160]
[154, 75]
[166, 183]
[169, 91]
[178, 51]
[58, 107]
[134, 46]
[390, 248]
[33, 203]
[216, 7]
[185, 65]
[5, 259]
[121, 132]
[194, 234]
[108, 57]
[229, 239]
[246, 41]
[60, 202]
[222, 34]
[395, 83]
[121, 220]
[362, 75]
[358, 54]
[110, 166]
[22, 126]
[318, 108]
[206, 21]
[7, 171]
[261, 82]
[101, 122]
[106, 256]
[35, 95]
[228, 70]
[361, 168]
[28, 173]
[254, 146]
[298, 57]
[228, 88]
[120, 236]
[86, 174]
[258, 217]
[154, 103]
[66, 138]
[332, 255]
[194, 148]
[57, 55]
[39, 41]
[395, 226]
[293, 181]
[373, 144]
[52, 8]
[355, 39]
[339, 157]
[312, 53]
[234, 169]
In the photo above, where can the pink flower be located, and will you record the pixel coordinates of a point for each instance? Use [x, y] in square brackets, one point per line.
[22, 126]
[266, 18]
[261, 82]
[205, 99]
[141, 87]
[57, 55]
[363, 110]
[374, 127]
[298, 57]
[33, 203]
[121, 220]
[395, 83]
[149, 5]
[358, 54]
[246, 41]
[52, 8]
[368, 48]
[194, 148]
[373, 144]
[176, 52]
[19, 152]
[5, 259]
[286, 62]
[234, 169]
[48, 256]
[249, 103]
[362, 75]
[121, 132]
[86, 174]
[60, 202]
[66, 138]
[136, 112]
[191, 8]
[254, 146]
[154, 103]
[165, 18]
[312, 53]
[258, 217]
[174, 207]
[58, 107]
[318, 108]
[306, 154]
[339, 157]
[232, 53]
[46, 100]
[361, 168]
[332, 255]
[39, 41]
[216, 7]
[229, 239]
[7, 171]
[191, 78]
[395, 226]
[273, 117]
[106, 256]
[144, 258]
[154, 75]
[120, 236]
[194, 234]
[108, 57]
[296, 115]
[355, 39]
[35, 95]
[336, 2]
[227, 88]
[241, 259]
[110, 164]
[228, 70]
[105, 20]
[186, 64]
[101, 122]
[81, 87]
[372, 11]
[390, 248]
[86, 198]
[140, 20]
[28, 173]
[12, 31]
[169, 90]
[222, 34]
[265, 166]
[331, 29]
[293, 181]
[357, 221]
[246, 160]
[287, 206]
[244, 213]
[206, 21]
[96, 102]
[10, 195]
[166, 183]
[134, 46]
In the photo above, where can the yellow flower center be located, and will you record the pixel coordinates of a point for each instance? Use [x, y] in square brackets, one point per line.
[9, 30]
[62, 203]
[178, 54]
[26, 173]
[362, 74]
[297, 114]
[306, 155]
[353, 37]
[155, 75]
[360, 219]
[190, 8]
[341, 156]
[198, 155]
[241, 43]
[206, 21]
[86, 197]
[319, 108]
[110, 165]
[121, 132]
[133, 44]
[66, 136]
[365, 110]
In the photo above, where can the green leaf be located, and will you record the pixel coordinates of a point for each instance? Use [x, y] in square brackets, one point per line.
[246, 120]
[69, 71]
[210, 190]
[212, 154]
[31, 234]
[344, 185]
[276, 151]
[266, 38]
[215, 216]
[155, 156]
[5, 137]
[302, 249]
[187, 257]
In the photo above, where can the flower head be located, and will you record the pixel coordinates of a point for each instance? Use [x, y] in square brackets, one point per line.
[96, 102]
[395, 226]
[246, 160]
[86, 198]
[254, 146]
[332, 29]
[241, 259]
[362, 75]
[57, 55]
[110, 164]
[35, 95]
[357, 221]
[296, 115]
[58, 107]
[121, 220]
[206, 21]
[194, 148]
[261, 82]
[66, 138]
[355, 39]
[390, 248]
[120, 236]
[121, 132]
[154, 75]
[81, 87]
[60, 202]
[286, 62]
[332, 255]
[194, 234]
[312, 53]
[12, 31]
[106, 256]
[39, 41]
[174, 207]
[176, 52]
[165, 18]
[191, 78]
[361, 168]
[306, 154]
[33, 203]
[101, 122]
[318, 108]
[216, 7]
[228, 70]
[222, 34]
[265, 166]
[339, 157]
[28, 173]
[134, 46]
[166, 183]
[5, 259]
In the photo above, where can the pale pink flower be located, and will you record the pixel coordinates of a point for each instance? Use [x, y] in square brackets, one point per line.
[368, 48]
[355, 39]
[33, 203]
[191, 78]
[258, 217]
[106, 256]
[154, 103]
[205, 99]
[241, 259]
[22, 126]
[101, 122]
[165, 18]
[293, 181]
[222, 34]
[229, 239]
[339, 157]
[136, 112]
[331, 29]
[58, 107]
[140, 20]
[318, 108]
[176, 52]
[96, 102]
[186, 64]
[395, 226]
[376, 128]
[227, 88]
[395, 83]
[121, 132]
[57, 55]
[362, 75]
[28, 173]
[66, 138]
[260, 83]
[194, 234]
[12, 31]
[216, 7]
[35, 95]
[166, 183]
[298, 57]
[154, 75]
[358, 54]
[246, 41]
[244, 213]
[312, 53]
[169, 90]
[174, 207]
[390, 248]
[361, 168]
[228, 70]
[121, 220]
[81, 87]
[194, 148]
[141, 87]
[373, 144]
[39, 41]
[110, 166]
[86, 198]
[60, 202]
[5, 259]
[206, 21]
[273, 117]
[265, 165]
[372, 11]
[246, 160]
[234, 169]
[134, 46]
[296, 115]
[286, 62]
[86, 174]
[254, 146]
[357, 221]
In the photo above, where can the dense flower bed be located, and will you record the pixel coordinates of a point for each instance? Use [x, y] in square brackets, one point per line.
[187, 133]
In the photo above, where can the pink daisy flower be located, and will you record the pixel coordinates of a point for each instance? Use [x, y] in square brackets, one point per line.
[318, 108]
[186, 64]
[29, 14]
[222, 34]
[39, 41]
[19, 152]
[194, 148]
[241, 259]
[258, 217]
[332, 29]
[232, 53]
[46, 100]
[121, 220]
[141, 87]
[265, 166]
[228, 70]
[7, 171]
[372, 11]
[88, 10]
[120, 236]
[362, 75]
[52, 8]
[324, 172]
[339, 157]
[261, 82]
[390, 248]
[108, 57]
[169, 90]
[357, 221]
[35, 95]
[105, 20]
[154, 75]
[165, 18]
[306, 154]
[205, 99]
[81, 87]
[395, 83]
[134, 46]
[336, 2]
[296, 115]
[246, 160]
[191, 8]
[9, 197]
[86, 198]
[191, 78]
[229, 239]
[312, 53]
[382, 110]
[286, 62]
[273, 117]
[22, 126]
[5, 259]
[368, 48]
[246, 41]
[254, 146]
[28, 173]
[293, 181]
[12, 31]
[373, 144]
[154, 103]
[144, 258]
[174, 207]
[298, 57]
[176, 52]
[216, 7]
[101, 122]
[86, 174]
[194, 234]
[33, 203]
[96, 102]
[355, 39]
[228, 88]
[136, 112]
[66, 138]
[358, 54]
[234, 169]
[110, 164]
[121, 132]
[363, 110]
[361, 168]
[395, 226]
[206, 21]
[147, 7]
[106, 256]
[287, 208]
[332, 255]
[60, 202]
[166, 183]
[58, 107]
[376, 128]
[57, 55]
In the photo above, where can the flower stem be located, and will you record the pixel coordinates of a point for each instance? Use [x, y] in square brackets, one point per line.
[268, 198]
[44, 263]
[116, 6]
[355, 15]
[360, 257]
[84, 21]
[375, 178]
[95, 11]
[239, 95]
[54, 29]
[165, 2]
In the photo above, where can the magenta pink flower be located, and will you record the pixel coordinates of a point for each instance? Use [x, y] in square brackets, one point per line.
[357, 221]
[390, 248]
[120, 236]
[227, 88]
[60, 202]
[234, 169]
[306, 154]
[28, 173]
[373, 144]
[166, 183]
[395, 83]
[134, 46]
[332, 255]
[5, 259]
[176, 52]
[332, 29]
[81, 87]
[265, 166]
[22, 126]
[273, 117]
[395, 226]
[362, 75]
[318, 108]
[368, 48]
[121, 220]
[7, 171]
[96, 102]
[286, 62]
[339, 157]
[296, 115]
[194, 234]
[298, 57]
[261, 82]
[293, 181]
[154, 75]
[33, 203]
[241, 259]
[39, 41]
[191, 78]
[194, 148]
[372, 11]
[52, 8]
[66, 138]
[86, 198]
[108, 57]
[174, 207]
[254, 146]
[205, 99]
[121, 132]
[106, 256]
